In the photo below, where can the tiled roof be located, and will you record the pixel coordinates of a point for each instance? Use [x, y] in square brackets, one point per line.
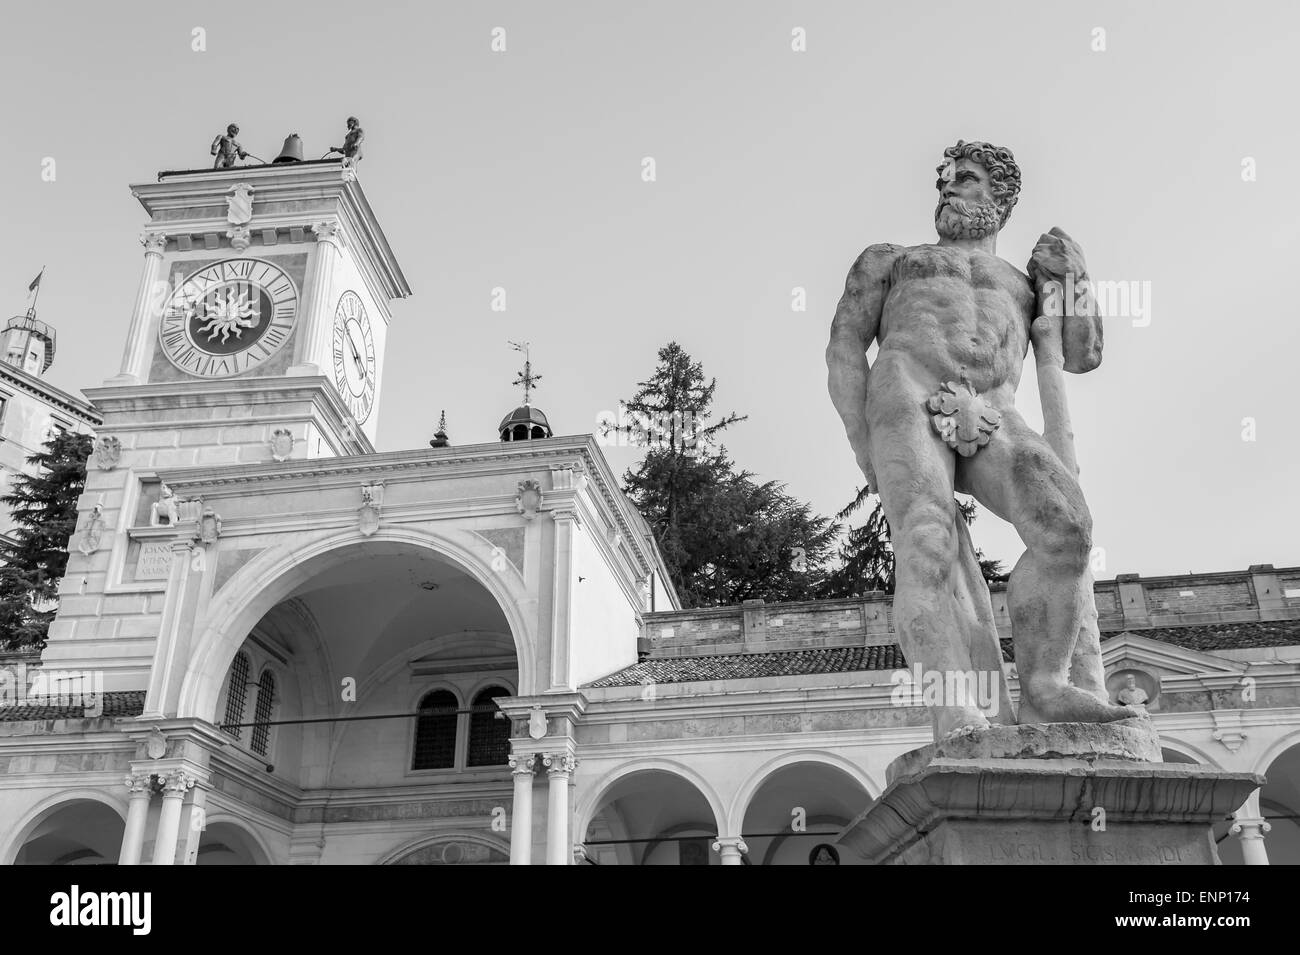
[743, 666]
[1227, 636]
[116, 703]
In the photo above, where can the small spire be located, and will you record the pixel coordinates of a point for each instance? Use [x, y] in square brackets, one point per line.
[526, 377]
[440, 439]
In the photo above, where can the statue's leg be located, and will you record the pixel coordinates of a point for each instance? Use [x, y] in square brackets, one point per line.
[914, 470]
[1086, 669]
[1019, 478]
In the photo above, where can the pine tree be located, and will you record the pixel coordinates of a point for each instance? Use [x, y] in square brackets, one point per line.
[867, 554]
[724, 537]
[43, 504]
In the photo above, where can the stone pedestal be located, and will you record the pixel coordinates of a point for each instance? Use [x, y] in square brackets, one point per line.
[1048, 794]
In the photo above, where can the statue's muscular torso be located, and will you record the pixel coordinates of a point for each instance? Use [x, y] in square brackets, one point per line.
[950, 312]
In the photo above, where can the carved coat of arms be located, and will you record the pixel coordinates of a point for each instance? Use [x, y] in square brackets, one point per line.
[537, 722]
[108, 451]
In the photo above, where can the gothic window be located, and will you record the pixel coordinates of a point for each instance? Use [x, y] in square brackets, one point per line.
[489, 730]
[435, 731]
[236, 693]
[262, 712]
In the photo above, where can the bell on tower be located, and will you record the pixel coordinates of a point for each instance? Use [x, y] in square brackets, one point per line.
[27, 343]
[525, 423]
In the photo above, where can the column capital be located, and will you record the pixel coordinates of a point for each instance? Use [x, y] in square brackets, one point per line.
[154, 242]
[138, 783]
[177, 783]
[727, 844]
[328, 231]
[521, 764]
[1249, 828]
[559, 765]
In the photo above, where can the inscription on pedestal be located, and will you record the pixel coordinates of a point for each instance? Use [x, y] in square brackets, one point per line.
[154, 562]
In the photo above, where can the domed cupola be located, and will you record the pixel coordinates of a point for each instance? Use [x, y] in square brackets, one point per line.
[525, 423]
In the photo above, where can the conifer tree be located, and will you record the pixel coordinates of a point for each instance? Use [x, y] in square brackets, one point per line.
[43, 504]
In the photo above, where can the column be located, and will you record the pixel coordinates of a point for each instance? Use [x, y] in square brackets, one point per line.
[732, 849]
[137, 814]
[521, 817]
[149, 298]
[317, 323]
[1251, 828]
[559, 770]
[175, 785]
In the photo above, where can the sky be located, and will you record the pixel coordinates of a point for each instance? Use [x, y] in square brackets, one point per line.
[1160, 144]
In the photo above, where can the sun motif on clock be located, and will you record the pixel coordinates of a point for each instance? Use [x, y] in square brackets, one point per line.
[354, 356]
[228, 318]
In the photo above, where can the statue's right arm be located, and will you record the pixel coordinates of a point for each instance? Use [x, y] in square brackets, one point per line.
[857, 319]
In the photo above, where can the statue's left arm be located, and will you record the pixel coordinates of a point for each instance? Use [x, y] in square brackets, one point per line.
[1058, 259]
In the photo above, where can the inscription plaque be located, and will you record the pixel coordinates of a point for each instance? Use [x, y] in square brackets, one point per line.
[154, 562]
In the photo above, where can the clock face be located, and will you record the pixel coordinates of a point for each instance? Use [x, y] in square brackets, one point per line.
[228, 318]
[354, 356]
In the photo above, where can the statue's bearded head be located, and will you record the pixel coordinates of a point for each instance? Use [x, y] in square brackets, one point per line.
[232, 130]
[353, 122]
[978, 187]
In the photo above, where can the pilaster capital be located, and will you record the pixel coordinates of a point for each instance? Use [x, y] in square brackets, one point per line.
[154, 242]
[559, 765]
[566, 513]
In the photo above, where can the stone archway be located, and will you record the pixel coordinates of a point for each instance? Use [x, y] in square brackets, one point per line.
[656, 813]
[798, 804]
[72, 829]
[275, 573]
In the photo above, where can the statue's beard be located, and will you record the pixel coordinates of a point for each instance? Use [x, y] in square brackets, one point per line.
[957, 219]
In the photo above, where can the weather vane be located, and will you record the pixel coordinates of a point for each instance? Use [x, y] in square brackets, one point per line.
[526, 377]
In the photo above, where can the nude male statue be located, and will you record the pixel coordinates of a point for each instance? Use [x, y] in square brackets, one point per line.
[936, 414]
[351, 148]
[227, 149]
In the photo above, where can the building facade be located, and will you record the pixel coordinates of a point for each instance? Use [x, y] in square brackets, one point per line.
[31, 409]
[287, 648]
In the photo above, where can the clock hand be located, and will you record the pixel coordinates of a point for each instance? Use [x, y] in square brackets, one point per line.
[356, 355]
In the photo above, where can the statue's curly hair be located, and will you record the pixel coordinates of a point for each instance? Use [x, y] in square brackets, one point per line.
[1001, 167]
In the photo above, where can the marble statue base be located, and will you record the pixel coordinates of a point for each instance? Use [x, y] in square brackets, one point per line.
[1047, 794]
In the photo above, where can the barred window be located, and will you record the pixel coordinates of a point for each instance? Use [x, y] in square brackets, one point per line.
[489, 734]
[435, 731]
[236, 695]
[262, 712]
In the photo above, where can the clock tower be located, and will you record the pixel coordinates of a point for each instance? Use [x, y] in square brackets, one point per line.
[259, 326]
